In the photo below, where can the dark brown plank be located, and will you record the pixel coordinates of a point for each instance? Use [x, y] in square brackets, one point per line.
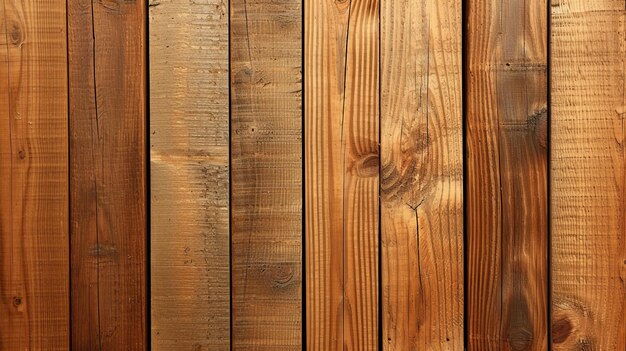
[422, 175]
[588, 184]
[107, 168]
[190, 295]
[266, 159]
[507, 216]
[34, 250]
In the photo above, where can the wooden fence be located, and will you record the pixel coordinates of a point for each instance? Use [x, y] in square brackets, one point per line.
[320, 175]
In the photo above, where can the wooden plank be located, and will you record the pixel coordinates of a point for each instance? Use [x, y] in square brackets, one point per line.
[34, 229]
[266, 159]
[588, 184]
[107, 169]
[507, 221]
[342, 173]
[422, 175]
[189, 175]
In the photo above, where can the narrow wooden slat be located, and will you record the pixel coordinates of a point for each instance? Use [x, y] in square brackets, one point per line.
[507, 216]
[107, 169]
[189, 175]
[342, 174]
[34, 256]
[266, 159]
[588, 184]
[422, 175]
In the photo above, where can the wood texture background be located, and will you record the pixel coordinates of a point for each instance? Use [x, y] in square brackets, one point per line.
[107, 74]
[189, 157]
[422, 175]
[507, 203]
[324, 175]
[34, 229]
[588, 183]
[266, 158]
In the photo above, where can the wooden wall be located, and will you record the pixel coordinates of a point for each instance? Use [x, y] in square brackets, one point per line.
[313, 175]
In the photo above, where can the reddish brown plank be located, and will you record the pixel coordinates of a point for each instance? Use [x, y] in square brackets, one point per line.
[507, 216]
[342, 173]
[422, 175]
[107, 167]
[34, 249]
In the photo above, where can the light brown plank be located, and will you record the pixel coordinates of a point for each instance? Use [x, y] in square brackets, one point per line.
[34, 249]
[189, 175]
[342, 177]
[107, 168]
[507, 222]
[588, 174]
[266, 158]
[422, 175]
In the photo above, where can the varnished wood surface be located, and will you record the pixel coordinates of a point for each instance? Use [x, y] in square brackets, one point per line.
[107, 76]
[588, 184]
[342, 173]
[422, 175]
[189, 138]
[507, 206]
[34, 255]
[266, 158]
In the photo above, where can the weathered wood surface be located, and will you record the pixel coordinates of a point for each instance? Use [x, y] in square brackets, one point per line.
[507, 206]
[342, 173]
[189, 159]
[422, 175]
[34, 255]
[107, 76]
[266, 159]
[588, 186]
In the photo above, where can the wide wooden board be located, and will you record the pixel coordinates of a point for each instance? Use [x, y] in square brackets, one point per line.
[507, 198]
[422, 175]
[342, 173]
[588, 185]
[107, 76]
[34, 229]
[266, 159]
[190, 276]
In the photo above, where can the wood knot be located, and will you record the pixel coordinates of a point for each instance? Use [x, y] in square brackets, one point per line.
[538, 123]
[365, 166]
[520, 338]
[15, 35]
[17, 301]
[280, 276]
[561, 330]
[21, 154]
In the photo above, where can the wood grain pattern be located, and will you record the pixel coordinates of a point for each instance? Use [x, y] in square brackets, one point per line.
[588, 174]
[266, 159]
[189, 175]
[34, 251]
[507, 222]
[342, 173]
[107, 169]
[422, 175]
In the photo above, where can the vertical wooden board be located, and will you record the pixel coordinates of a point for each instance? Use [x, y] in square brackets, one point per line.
[507, 216]
[588, 185]
[342, 173]
[422, 175]
[189, 175]
[34, 256]
[107, 169]
[266, 161]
